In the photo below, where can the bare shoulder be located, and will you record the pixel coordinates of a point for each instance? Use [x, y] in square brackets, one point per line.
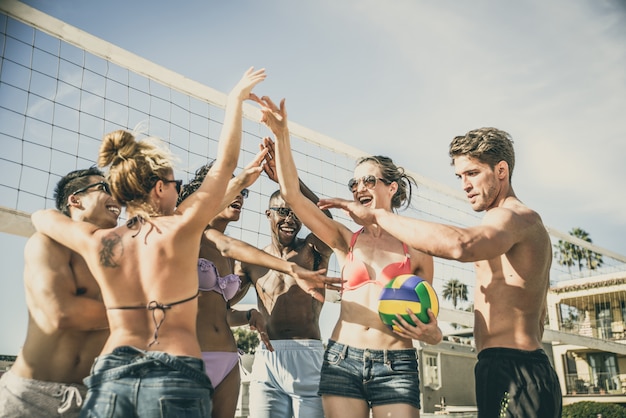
[523, 223]
[318, 245]
[512, 215]
[41, 247]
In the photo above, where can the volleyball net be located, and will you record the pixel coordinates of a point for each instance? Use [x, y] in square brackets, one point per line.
[62, 89]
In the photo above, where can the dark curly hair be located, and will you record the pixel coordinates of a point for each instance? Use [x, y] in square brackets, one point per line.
[195, 182]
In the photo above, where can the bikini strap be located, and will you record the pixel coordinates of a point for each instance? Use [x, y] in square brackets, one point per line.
[153, 306]
[354, 237]
[406, 250]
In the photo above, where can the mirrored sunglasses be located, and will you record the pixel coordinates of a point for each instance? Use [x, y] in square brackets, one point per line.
[369, 182]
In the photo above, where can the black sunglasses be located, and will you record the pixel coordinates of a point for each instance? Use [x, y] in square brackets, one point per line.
[368, 181]
[103, 187]
[285, 213]
[245, 193]
[179, 184]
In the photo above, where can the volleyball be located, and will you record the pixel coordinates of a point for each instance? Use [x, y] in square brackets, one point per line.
[407, 291]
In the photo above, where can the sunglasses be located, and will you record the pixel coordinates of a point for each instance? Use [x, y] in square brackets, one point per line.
[102, 186]
[179, 184]
[368, 181]
[285, 213]
[245, 193]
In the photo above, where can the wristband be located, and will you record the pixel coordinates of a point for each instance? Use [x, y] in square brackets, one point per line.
[248, 315]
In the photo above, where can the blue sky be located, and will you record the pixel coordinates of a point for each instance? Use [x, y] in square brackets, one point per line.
[403, 77]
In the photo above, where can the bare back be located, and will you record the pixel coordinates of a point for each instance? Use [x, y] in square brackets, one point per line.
[67, 327]
[149, 263]
[289, 312]
[511, 288]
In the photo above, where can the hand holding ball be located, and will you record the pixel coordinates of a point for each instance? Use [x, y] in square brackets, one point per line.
[407, 291]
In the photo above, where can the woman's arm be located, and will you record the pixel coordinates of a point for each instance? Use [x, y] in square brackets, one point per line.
[75, 235]
[331, 232]
[202, 205]
[233, 248]
[246, 178]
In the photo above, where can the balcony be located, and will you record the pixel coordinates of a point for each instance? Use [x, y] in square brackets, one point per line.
[601, 384]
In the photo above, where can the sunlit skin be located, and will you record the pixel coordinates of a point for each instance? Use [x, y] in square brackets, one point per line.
[477, 181]
[67, 324]
[359, 324]
[156, 260]
[214, 333]
[510, 248]
[214, 317]
[289, 312]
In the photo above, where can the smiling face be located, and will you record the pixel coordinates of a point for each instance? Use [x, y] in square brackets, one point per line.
[370, 188]
[284, 227]
[482, 184]
[232, 212]
[94, 204]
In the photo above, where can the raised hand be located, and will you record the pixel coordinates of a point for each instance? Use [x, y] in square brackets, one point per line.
[243, 88]
[274, 117]
[270, 159]
[253, 170]
[362, 215]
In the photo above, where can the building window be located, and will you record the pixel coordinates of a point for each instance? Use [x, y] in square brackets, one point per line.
[604, 372]
[432, 371]
[604, 317]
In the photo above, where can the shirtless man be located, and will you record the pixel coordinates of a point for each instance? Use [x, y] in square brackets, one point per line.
[285, 381]
[512, 254]
[67, 324]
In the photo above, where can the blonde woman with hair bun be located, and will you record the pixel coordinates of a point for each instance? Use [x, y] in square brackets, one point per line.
[151, 364]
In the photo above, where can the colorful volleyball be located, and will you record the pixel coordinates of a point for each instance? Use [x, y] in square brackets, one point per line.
[407, 291]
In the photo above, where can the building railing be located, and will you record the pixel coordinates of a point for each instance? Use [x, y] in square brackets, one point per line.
[599, 384]
[605, 330]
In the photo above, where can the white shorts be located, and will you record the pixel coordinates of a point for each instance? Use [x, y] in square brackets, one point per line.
[284, 383]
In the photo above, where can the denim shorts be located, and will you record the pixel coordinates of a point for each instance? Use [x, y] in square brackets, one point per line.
[130, 382]
[380, 377]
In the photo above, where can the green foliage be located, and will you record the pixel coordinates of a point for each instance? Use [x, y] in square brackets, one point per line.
[455, 290]
[588, 409]
[247, 340]
[568, 254]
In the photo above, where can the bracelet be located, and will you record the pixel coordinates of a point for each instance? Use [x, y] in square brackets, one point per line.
[248, 315]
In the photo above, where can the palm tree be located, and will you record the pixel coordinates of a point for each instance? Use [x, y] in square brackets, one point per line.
[568, 254]
[247, 340]
[454, 290]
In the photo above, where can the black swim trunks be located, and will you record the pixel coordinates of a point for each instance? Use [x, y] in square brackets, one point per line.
[516, 383]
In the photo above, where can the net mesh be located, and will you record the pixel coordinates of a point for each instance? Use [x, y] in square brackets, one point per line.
[61, 92]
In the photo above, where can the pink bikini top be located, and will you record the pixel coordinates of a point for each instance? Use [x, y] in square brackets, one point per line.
[356, 274]
[209, 279]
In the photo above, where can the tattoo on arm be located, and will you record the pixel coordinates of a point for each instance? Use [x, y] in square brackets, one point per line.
[111, 244]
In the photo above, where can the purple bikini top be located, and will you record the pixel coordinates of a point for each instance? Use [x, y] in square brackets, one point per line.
[209, 279]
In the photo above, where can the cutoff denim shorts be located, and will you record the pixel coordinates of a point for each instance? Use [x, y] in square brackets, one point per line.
[380, 377]
[130, 382]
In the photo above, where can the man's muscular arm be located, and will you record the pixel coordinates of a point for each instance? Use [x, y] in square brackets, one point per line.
[51, 289]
